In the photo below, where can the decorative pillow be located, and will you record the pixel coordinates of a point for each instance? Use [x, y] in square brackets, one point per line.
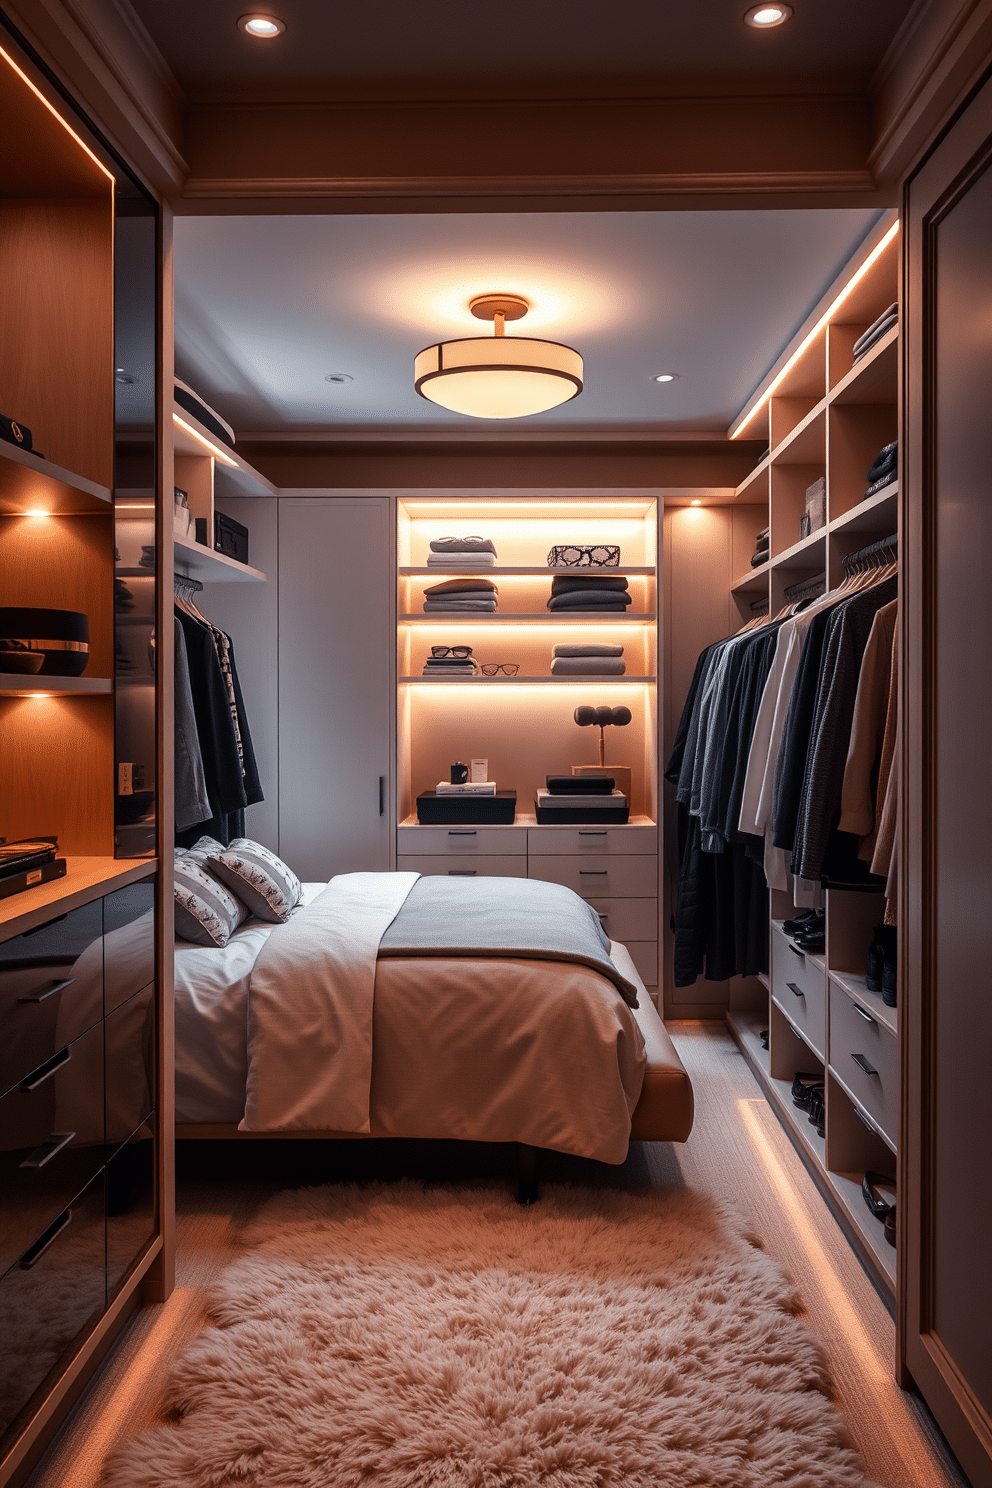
[207, 913]
[260, 879]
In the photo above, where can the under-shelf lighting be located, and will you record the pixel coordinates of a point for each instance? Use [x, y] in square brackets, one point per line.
[810, 336]
[208, 444]
[55, 114]
[37, 512]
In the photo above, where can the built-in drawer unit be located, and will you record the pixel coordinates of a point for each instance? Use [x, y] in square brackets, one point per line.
[438, 841]
[131, 1064]
[610, 876]
[555, 841]
[51, 1294]
[51, 1141]
[51, 989]
[628, 919]
[865, 1058]
[465, 866]
[128, 942]
[799, 989]
[130, 1203]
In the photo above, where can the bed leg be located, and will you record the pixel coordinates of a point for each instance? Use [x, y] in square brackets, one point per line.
[526, 1173]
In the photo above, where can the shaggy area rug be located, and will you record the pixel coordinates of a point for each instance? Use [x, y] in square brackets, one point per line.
[404, 1337]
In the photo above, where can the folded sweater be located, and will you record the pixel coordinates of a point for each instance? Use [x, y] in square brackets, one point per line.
[601, 599]
[570, 584]
[468, 561]
[571, 651]
[463, 545]
[480, 587]
[588, 666]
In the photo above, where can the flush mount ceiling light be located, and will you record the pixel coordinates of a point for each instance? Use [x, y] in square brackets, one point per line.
[263, 26]
[339, 377]
[764, 16]
[498, 377]
[664, 377]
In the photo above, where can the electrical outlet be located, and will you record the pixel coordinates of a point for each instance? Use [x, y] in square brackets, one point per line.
[125, 779]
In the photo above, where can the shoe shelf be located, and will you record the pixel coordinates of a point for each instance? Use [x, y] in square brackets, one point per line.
[746, 1024]
[856, 986]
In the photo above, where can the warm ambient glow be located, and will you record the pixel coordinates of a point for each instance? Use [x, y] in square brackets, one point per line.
[765, 16]
[55, 113]
[263, 26]
[825, 318]
[696, 502]
[38, 513]
[501, 377]
[208, 444]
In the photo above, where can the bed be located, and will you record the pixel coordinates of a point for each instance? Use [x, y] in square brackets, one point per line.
[459, 1010]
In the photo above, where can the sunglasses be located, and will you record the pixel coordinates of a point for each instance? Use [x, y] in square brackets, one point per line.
[493, 668]
[451, 650]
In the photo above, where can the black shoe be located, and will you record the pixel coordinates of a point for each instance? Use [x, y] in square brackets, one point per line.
[890, 1226]
[803, 1086]
[879, 1192]
[799, 921]
[873, 967]
[889, 983]
[763, 1037]
[814, 941]
[818, 1111]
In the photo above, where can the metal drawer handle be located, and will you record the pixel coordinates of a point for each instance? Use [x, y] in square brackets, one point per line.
[604, 914]
[796, 991]
[797, 952]
[48, 1149]
[45, 1071]
[862, 1014]
[461, 872]
[48, 990]
[471, 832]
[593, 872]
[863, 1064]
[591, 832]
[34, 1252]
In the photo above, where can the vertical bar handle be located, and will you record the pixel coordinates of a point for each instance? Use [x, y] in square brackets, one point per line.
[382, 795]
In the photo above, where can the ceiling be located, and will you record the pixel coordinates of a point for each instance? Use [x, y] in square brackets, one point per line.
[266, 307]
[517, 48]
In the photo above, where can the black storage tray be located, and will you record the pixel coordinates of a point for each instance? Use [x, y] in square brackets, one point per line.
[600, 816]
[444, 811]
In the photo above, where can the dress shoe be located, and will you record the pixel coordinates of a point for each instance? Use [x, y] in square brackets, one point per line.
[799, 921]
[818, 1111]
[814, 941]
[879, 1191]
[763, 1037]
[803, 1086]
[890, 1226]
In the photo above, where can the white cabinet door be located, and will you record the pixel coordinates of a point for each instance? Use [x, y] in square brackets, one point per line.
[335, 684]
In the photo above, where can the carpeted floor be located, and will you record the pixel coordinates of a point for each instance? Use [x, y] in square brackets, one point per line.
[411, 1336]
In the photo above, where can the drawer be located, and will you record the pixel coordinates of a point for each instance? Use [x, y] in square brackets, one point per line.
[499, 842]
[480, 867]
[130, 1056]
[865, 1058]
[51, 1141]
[128, 942]
[51, 989]
[799, 989]
[644, 954]
[50, 1296]
[556, 841]
[628, 919]
[613, 877]
[130, 1204]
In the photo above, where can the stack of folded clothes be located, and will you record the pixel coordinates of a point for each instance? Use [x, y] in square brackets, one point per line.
[587, 661]
[451, 666]
[600, 592]
[760, 554]
[461, 597]
[462, 552]
[884, 470]
[876, 331]
[581, 798]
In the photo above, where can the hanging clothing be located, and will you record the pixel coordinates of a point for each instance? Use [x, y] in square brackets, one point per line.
[192, 804]
[861, 770]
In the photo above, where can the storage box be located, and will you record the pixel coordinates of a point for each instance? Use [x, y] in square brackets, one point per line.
[611, 810]
[444, 811]
[230, 538]
[621, 775]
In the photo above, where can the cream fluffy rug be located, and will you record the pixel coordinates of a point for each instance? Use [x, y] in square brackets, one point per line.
[401, 1337]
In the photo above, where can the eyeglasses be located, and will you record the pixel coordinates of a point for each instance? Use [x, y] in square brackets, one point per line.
[451, 650]
[493, 668]
[473, 539]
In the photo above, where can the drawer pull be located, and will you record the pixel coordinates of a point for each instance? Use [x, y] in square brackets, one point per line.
[470, 832]
[461, 872]
[45, 1071]
[48, 990]
[796, 991]
[862, 1014]
[797, 952]
[863, 1064]
[48, 1149]
[592, 832]
[593, 872]
[34, 1252]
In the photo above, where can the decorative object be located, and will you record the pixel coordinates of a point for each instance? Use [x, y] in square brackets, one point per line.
[585, 555]
[62, 637]
[15, 433]
[403, 1334]
[604, 718]
[458, 773]
[182, 517]
[499, 378]
[478, 771]
[27, 663]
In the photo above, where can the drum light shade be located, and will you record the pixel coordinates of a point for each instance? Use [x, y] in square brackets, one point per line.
[498, 377]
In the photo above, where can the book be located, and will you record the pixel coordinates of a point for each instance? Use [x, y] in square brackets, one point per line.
[558, 801]
[18, 857]
[14, 883]
[470, 788]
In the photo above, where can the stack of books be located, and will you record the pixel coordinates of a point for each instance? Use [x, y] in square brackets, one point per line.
[581, 798]
[469, 788]
[29, 862]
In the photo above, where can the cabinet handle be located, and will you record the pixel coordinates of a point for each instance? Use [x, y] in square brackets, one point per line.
[461, 872]
[604, 914]
[797, 952]
[382, 795]
[48, 990]
[796, 991]
[865, 1121]
[590, 832]
[45, 1071]
[464, 832]
[862, 1014]
[34, 1252]
[48, 1149]
[593, 872]
[863, 1064]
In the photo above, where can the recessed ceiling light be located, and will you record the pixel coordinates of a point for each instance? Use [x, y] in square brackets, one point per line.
[664, 377]
[339, 377]
[264, 26]
[695, 502]
[764, 16]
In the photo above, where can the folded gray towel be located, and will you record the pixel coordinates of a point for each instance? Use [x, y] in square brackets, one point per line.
[594, 599]
[469, 561]
[569, 584]
[462, 545]
[455, 607]
[587, 651]
[588, 666]
[467, 587]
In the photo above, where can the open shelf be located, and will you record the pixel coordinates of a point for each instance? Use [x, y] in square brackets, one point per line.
[28, 483]
[33, 906]
[202, 563]
[12, 684]
[875, 378]
[746, 1024]
[191, 438]
[808, 553]
[580, 681]
[847, 1187]
[546, 617]
[627, 571]
[754, 582]
[871, 1001]
[878, 511]
[805, 444]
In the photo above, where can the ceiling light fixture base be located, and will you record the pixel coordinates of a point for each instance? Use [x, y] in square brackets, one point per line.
[489, 306]
[764, 17]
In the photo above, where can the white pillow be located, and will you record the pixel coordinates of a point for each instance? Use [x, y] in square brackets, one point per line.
[260, 880]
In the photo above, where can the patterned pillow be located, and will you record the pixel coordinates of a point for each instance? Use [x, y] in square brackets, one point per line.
[207, 913]
[258, 877]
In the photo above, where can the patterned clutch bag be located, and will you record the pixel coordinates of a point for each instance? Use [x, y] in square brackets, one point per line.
[588, 555]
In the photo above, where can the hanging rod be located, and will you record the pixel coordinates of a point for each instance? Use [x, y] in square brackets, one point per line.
[185, 582]
[799, 590]
[759, 606]
[873, 550]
